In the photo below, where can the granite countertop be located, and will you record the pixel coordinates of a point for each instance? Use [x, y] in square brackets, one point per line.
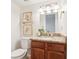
[58, 39]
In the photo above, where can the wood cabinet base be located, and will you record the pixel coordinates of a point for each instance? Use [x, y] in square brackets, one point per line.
[47, 50]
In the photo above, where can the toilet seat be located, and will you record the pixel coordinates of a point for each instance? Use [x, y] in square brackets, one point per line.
[18, 52]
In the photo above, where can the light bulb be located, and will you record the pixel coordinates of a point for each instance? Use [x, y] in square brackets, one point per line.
[55, 10]
[49, 12]
[56, 7]
[40, 10]
[48, 8]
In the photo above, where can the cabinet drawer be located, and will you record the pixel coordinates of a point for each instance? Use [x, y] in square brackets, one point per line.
[56, 47]
[37, 44]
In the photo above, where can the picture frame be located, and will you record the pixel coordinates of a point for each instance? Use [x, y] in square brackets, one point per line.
[27, 29]
[27, 17]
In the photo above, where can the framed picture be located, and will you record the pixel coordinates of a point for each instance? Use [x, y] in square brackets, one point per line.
[27, 17]
[27, 29]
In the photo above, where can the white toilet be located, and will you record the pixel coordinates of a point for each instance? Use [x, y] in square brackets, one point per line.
[21, 52]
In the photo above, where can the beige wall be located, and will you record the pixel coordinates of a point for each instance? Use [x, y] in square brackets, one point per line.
[16, 12]
[35, 17]
[15, 26]
[61, 25]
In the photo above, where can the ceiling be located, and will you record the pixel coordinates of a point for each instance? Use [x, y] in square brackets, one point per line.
[23, 3]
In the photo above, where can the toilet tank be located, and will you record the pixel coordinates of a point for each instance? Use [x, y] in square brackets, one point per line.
[25, 43]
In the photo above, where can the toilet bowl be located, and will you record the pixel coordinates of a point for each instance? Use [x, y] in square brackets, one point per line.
[21, 52]
[18, 54]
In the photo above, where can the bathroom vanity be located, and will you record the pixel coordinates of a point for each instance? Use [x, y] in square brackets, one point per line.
[48, 48]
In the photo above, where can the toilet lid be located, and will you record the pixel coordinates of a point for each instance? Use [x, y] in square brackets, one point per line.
[17, 53]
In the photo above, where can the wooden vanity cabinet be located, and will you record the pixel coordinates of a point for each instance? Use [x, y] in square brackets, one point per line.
[37, 53]
[37, 50]
[47, 50]
[55, 55]
[56, 51]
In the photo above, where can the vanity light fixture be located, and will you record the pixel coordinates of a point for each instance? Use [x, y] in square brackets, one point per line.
[48, 9]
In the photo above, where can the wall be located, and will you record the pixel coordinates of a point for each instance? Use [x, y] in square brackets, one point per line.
[62, 22]
[15, 26]
[60, 25]
[16, 12]
[35, 17]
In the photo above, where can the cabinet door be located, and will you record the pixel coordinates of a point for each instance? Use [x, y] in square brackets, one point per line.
[55, 55]
[37, 53]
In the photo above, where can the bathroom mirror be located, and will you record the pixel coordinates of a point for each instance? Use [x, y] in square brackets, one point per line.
[48, 22]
